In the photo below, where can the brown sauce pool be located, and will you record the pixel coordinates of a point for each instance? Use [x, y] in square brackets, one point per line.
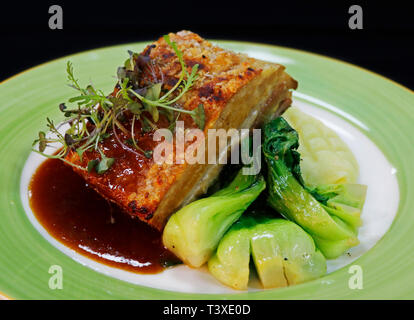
[81, 219]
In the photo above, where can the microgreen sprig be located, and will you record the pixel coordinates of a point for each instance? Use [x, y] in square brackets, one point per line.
[94, 113]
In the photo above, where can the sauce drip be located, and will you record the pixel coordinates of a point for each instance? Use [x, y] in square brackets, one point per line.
[81, 219]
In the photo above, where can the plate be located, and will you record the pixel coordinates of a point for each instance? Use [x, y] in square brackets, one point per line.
[372, 114]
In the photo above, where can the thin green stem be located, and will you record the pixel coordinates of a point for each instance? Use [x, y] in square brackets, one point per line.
[158, 104]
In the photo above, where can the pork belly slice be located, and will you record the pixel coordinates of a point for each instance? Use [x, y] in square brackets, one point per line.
[237, 92]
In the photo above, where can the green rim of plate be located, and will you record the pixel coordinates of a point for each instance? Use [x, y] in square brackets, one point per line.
[384, 112]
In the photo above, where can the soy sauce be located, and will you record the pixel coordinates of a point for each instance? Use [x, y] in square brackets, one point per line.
[77, 216]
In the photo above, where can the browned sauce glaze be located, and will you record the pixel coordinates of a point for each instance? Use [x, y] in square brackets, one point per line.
[81, 219]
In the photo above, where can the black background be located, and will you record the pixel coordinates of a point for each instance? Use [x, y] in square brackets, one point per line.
[385, 45]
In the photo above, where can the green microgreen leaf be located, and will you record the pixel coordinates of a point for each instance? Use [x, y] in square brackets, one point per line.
[135, 107]
[148, 153]
[199, 116]
[129, 141]
[104, 164]
[71, 78]
[92, 164]
[153, 94]
[127, 64]
[155, 91]
[178, 53]
[80, 152]
[103, 136]
[42, 141]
